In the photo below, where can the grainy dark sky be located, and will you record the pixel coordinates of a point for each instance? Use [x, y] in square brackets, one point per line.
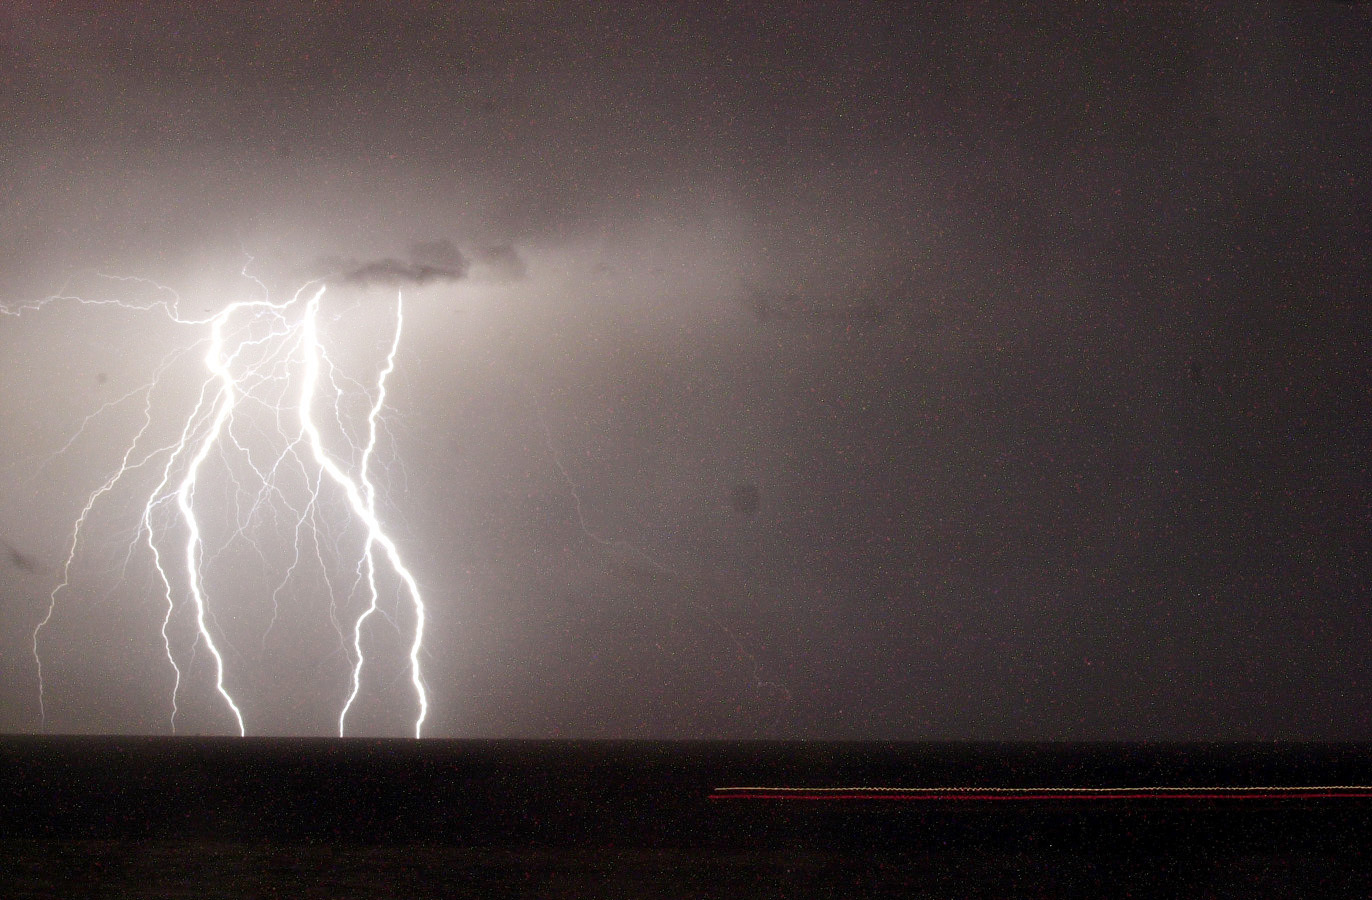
[958, 370]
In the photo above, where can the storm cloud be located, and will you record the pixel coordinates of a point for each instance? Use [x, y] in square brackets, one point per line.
[982, 370]
[429, 262]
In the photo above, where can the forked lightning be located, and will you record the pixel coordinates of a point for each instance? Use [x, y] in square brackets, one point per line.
[269, 359]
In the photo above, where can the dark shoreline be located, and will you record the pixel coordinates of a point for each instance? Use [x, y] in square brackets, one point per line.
[234, 817]
[644, 793]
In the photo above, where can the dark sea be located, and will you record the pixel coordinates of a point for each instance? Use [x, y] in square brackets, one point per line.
[256, 817]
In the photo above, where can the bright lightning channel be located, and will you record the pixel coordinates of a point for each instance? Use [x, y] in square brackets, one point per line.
[256, 350]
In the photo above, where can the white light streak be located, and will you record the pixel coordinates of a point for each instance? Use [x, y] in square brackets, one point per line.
[263, 361]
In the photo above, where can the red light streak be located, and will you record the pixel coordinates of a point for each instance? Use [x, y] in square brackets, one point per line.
[943, 794]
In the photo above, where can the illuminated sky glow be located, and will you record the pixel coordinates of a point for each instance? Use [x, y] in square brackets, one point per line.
[255, 352]
[803, 370]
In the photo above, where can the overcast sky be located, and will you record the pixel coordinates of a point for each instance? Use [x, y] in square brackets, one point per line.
[958, 370]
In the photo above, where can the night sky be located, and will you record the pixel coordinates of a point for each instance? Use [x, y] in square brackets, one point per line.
[959, 371]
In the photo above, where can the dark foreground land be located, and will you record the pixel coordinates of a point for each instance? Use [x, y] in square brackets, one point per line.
[195, 817]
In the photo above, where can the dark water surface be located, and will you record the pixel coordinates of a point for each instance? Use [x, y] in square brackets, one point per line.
[211, 817]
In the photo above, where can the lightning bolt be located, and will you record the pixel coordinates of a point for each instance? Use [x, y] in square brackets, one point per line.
[267, 374]
[364, 509]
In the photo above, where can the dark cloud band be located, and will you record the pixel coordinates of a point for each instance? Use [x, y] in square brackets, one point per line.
[430, 262]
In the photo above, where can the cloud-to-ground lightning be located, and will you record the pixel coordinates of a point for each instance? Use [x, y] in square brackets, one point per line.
[364, 509]
[274, 415]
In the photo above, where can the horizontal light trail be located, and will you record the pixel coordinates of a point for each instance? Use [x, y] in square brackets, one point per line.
[1163, 792]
